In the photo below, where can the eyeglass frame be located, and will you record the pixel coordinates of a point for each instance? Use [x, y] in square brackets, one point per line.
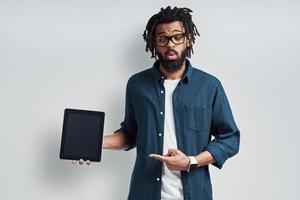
[170, 38]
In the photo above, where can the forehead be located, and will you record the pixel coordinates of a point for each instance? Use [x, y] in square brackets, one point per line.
[169, 28]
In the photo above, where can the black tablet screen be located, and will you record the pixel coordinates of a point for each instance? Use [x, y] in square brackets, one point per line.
[82, 135]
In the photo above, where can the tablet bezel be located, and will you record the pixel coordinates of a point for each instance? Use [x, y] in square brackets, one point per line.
[68, 111]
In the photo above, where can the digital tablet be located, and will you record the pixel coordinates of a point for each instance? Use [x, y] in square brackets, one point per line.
[82, 135]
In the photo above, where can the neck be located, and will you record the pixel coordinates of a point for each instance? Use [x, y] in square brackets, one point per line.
[173, 75]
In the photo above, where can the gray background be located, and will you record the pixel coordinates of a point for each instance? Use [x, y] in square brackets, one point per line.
[79, 54]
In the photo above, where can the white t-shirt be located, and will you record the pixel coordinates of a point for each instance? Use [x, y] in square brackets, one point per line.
[171, 180]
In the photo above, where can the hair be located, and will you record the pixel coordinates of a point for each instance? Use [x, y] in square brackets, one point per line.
[169, 15]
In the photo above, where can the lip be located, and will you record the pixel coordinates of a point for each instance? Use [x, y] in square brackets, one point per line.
[171, 56]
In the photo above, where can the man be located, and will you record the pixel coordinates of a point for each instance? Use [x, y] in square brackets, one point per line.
[172, 109]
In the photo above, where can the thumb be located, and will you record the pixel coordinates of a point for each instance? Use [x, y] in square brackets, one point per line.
[176, 152]
[172, 152]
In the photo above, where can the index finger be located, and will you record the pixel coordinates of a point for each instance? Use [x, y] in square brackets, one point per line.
[159, 157]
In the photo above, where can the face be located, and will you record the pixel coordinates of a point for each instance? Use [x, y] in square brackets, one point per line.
[172, 53]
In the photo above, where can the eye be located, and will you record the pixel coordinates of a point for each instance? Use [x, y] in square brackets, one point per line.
[162, 39]
[178, 36]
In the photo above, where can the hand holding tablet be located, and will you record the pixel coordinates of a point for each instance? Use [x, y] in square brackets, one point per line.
[81, 162]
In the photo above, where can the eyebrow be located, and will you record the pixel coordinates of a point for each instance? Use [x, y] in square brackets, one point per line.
[172, 31]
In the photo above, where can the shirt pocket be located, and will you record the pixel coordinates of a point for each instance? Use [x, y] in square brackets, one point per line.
[196, 117]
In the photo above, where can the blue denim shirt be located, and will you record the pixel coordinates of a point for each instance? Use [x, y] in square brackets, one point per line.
[201, 110]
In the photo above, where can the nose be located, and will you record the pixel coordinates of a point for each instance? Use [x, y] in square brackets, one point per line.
[170, 43]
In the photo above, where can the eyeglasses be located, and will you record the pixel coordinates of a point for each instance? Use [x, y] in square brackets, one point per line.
[163, 40]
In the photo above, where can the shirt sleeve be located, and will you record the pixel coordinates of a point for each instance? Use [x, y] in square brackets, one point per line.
[129, 125]
[223, 128]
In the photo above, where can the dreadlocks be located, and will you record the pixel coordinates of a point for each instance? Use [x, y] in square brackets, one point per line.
[169, 15]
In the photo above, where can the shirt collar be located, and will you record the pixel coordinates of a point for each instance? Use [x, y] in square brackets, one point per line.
[157, 74]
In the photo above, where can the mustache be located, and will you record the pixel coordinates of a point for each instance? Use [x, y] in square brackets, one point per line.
[171, 51]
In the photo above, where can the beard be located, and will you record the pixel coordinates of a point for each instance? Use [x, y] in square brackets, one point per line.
[172, 65]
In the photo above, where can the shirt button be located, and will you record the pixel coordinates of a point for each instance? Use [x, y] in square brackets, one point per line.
[157, 179]
[161, 113]
[159, 134]
[161, 91]
[162, 77]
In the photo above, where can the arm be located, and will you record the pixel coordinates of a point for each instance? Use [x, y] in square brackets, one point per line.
[116, 141]
[128, 127]
[176, 160]
[223, 128]
[124, 138]
[204, 158]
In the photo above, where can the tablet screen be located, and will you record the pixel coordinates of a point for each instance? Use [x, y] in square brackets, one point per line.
[82, 135]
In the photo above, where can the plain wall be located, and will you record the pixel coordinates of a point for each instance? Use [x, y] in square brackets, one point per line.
[80, 54]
